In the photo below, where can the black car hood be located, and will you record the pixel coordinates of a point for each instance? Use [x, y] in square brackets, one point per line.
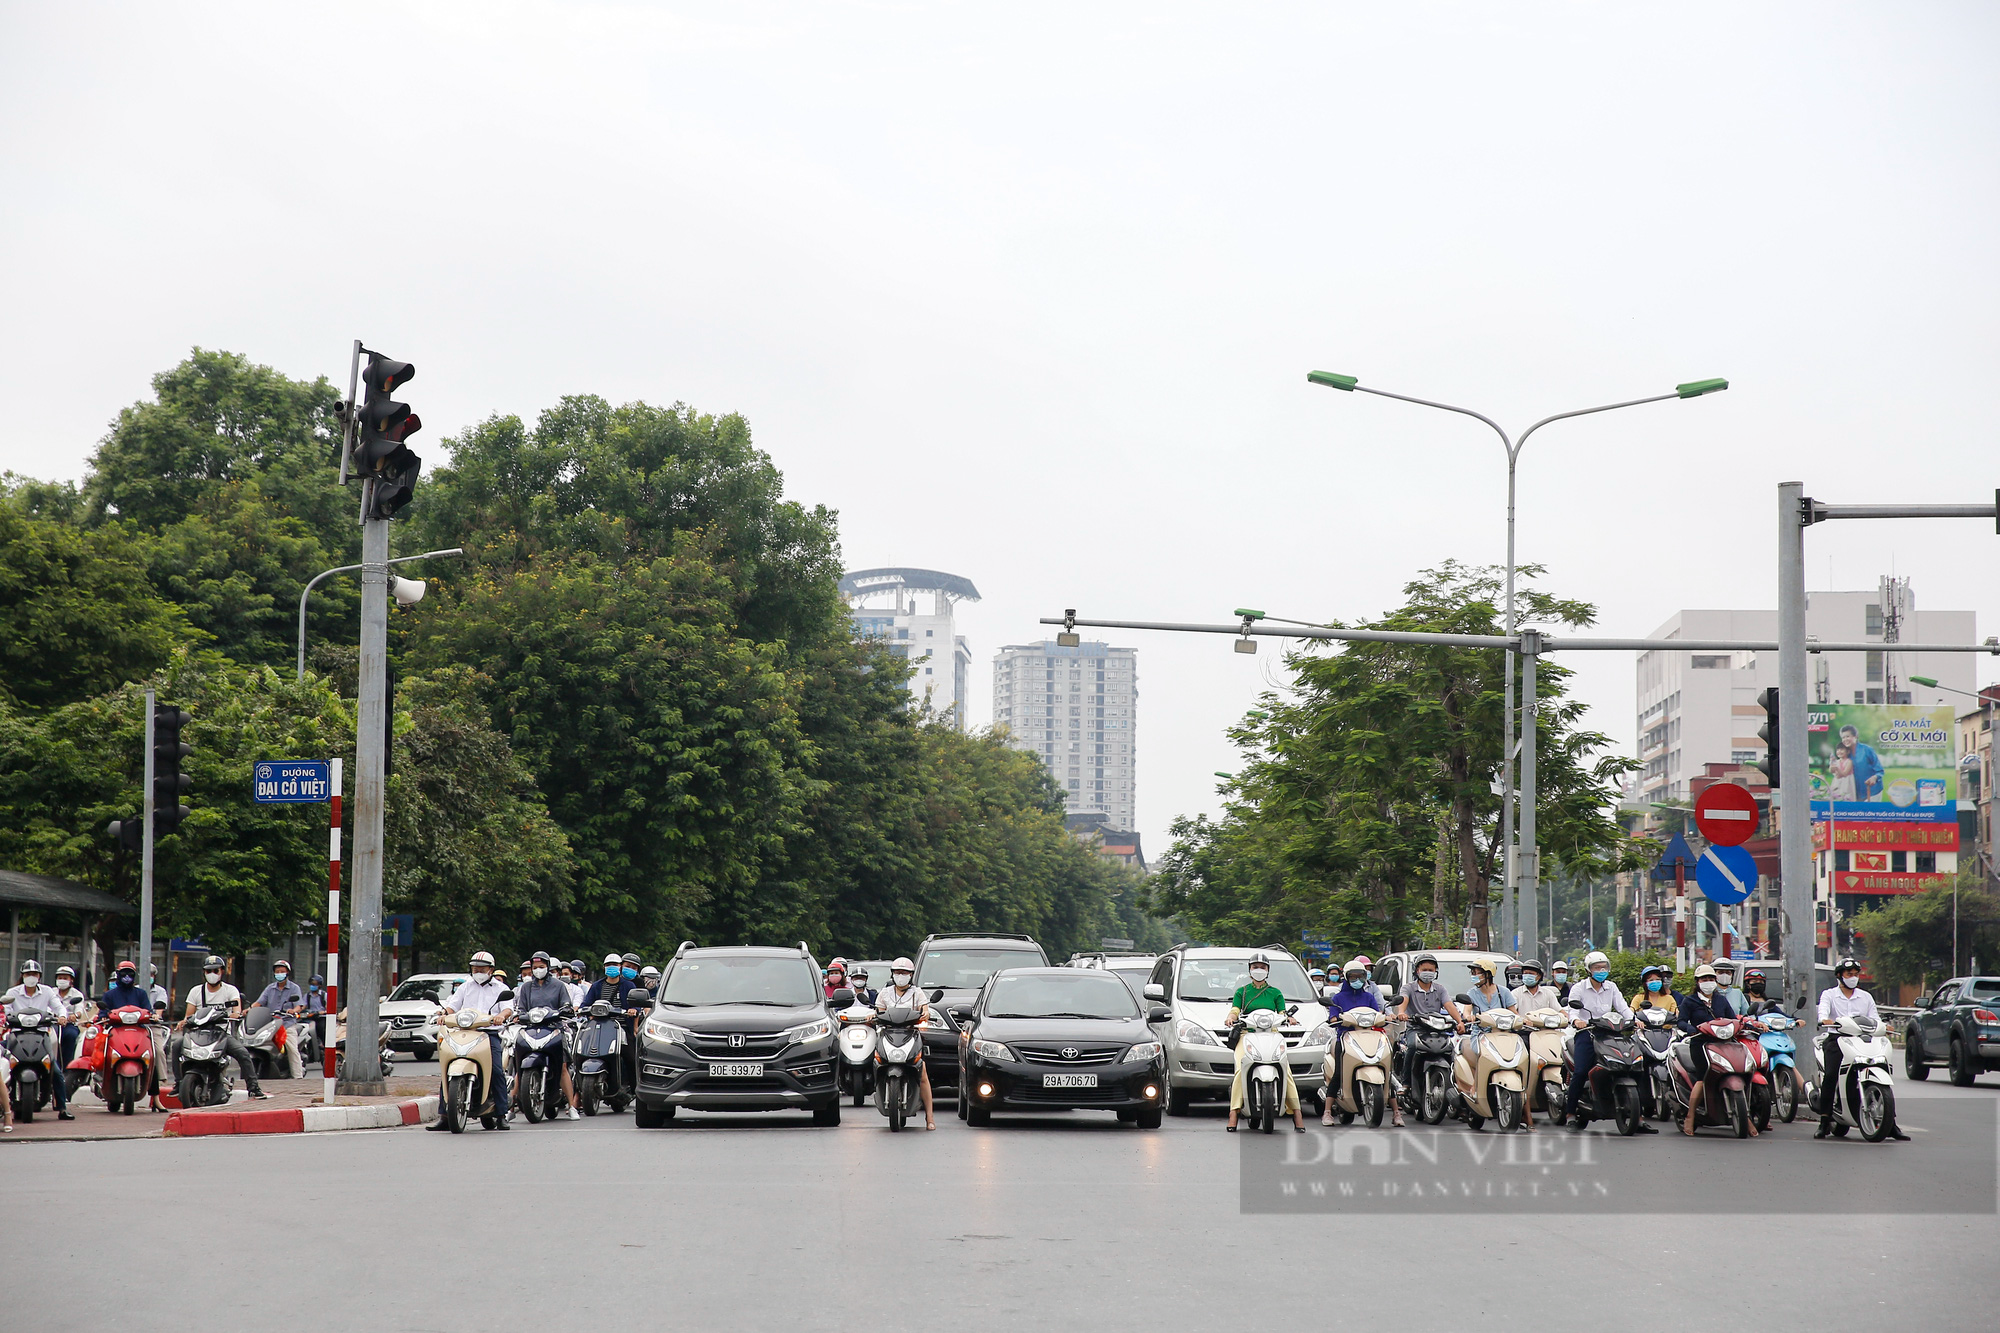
[1088, 1030]
[744, 1018]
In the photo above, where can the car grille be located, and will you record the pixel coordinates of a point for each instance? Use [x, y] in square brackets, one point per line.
[753, 1086]
[1068, 1096]
[407, 1021]
[1084, 1057]
[761, 1047]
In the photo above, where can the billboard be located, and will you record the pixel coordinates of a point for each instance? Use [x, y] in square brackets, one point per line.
[1883, 763]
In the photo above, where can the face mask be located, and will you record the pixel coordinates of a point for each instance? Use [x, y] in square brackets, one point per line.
[1653, 985]
[1259, 973]
[62, 983]
[900, 978]
[1707, 987]
[1531, 982]
[631, 973]
[541, 974]
[1755, 988]
[213, 977]
[282, 977]
[1561, 977]
[481, 978]
[1427, 977]
[124, 978]
[1357, 982]
[1600, 975]
[1850, 981]
[31, 981]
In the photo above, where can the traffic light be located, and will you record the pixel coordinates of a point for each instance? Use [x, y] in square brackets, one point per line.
[168, 780]
[1769, 731]
[395, 483]
[382, 425]
[130, 833]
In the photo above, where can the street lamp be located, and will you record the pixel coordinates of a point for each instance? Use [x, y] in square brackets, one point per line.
[1528, 870]
[405, 596]
[1986, 719]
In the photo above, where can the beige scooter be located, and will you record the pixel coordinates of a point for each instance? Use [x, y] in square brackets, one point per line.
[465, 1061]
[1490, 1071]
[1364, 1068]
[1548, 1034]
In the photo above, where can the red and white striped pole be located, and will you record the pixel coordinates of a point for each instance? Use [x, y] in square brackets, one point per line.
[332, 937]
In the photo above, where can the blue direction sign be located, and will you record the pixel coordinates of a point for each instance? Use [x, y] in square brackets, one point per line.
[291, 781]
[1726, 874]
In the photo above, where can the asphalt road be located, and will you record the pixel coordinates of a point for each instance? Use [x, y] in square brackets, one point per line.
[1068, 1221]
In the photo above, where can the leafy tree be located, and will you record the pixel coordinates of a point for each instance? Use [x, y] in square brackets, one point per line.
[1909, 938]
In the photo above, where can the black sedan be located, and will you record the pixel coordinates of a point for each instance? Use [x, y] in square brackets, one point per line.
[1059, 1039]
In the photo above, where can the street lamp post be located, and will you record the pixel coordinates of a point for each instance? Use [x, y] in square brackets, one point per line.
[348, 569]
[1992, 771]
[1526, 870]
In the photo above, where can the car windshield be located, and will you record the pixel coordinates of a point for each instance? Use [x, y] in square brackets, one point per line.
[1083, 995]
[1216, 979]
[1133, 977]
[968, 969]
[740, 979]
[434, 989]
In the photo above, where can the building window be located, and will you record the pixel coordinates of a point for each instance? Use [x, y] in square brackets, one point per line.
[1899, 862]
[1840, 860]
[1926, 862]
[1711, 662]
[1874, 666]
[1874, 621]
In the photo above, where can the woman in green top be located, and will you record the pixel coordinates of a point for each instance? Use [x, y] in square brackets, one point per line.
[1259, 994]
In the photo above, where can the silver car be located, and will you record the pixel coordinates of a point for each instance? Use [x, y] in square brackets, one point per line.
[1195, 984]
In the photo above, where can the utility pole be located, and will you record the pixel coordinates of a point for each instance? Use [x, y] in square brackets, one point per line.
[145, 958]
[1795, 871]
[1528, 859]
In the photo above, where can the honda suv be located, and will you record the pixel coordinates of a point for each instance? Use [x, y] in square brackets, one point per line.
[959, 965]
[739, 1028]
[1195, 984]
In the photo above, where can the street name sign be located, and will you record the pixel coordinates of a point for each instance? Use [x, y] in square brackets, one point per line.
[1726, 814]
[291, 781]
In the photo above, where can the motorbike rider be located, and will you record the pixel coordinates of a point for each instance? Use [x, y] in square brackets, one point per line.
[1355, 992]
[1513, 975]
[214, 990]
[1254, 994]
[542, 990]
[81, 1010]
[834, 976]
[1486, 993]
[284, 996]
[1422, 995]
[1599, 998]
[1531, 994]
[124, 992]
[649, 978]
[481, 995]
[1845, 1000]
[614, 986]
[1725, 982]
[32, 996]
[578, 981]
[1654, 992]
[1559, 977]
[901, 993]
[857, 981]
[1755, 1002]
[1706, 1003]
[316, 996]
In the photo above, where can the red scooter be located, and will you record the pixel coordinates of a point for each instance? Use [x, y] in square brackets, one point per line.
[82, 1071]
[126, 1070]
[1735, 1090]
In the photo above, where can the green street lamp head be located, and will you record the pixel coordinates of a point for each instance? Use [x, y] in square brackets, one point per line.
[1923, 680]
[1697, 388]
[1247, 613]
[1219, 773]
[1333, 381]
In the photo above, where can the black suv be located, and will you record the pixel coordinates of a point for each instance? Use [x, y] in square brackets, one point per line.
[1060, 1039]
[1959, 1025]
[740, 1028]
[959, 964]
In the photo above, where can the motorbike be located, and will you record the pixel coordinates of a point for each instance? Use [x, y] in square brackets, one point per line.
[31, 1045]
[597, 1059]
[1364, 1068]
[1489, 1073]
[1548, 1031]
[1432, 1046]
[465, 1063]
[1613, 1090]
[1735, 1091]
[82, 1071]
[1263, 1069]
[268, 1037]
[1862, 1098]
[1656, 1038]
[1786, 1085]
[899, 1054]
[540, 1047]
[208, 1075]
[857, 1041]
[383, 1053]
[129, 1070]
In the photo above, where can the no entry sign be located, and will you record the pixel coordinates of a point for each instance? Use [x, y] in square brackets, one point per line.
[1726, 814]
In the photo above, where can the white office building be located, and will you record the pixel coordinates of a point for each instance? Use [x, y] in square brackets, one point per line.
[1077, 709]
[1697, 708]
[912, 610]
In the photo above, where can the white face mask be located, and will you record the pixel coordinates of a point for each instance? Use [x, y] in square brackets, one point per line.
[31, 981]
[541, 974]
[1707, 987]
[900, 978]
[1850, 982]
[213, 977]
[481, 978]
[1259, 973]
[1427, 977]
[62, 983]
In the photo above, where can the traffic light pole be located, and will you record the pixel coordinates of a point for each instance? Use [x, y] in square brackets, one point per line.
[144, 961]
[364, 968]
[1793, 797]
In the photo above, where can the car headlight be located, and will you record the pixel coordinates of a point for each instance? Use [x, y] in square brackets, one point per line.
[1321, 1035]
[1194, 1034]
[662, 1031]
[813, 1031]
[992, 1050]
[1145, 1050]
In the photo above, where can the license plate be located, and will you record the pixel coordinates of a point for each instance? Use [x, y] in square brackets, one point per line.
[736, 1071]
[1069, 1080]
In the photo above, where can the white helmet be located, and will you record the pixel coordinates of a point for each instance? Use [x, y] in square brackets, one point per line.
[1355, 964]
[482, 957]
[902, 965]
[614, 960]
[1596, 959]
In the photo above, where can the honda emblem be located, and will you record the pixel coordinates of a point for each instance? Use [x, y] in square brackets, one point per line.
[735, 1039]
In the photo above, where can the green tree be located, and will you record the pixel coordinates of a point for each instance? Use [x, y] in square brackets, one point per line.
[1909, 938]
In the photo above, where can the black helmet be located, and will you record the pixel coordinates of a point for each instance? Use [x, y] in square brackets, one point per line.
[576, 966]
[1847, 964]
[1514, 971]
[1423, 958]
[630, 960]
[542, 956]
[212, 963]
[1260, 960]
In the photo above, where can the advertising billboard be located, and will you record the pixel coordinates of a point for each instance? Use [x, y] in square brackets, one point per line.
[1882, 763]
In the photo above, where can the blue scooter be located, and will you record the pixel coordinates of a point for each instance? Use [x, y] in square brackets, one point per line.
[1782, 1052]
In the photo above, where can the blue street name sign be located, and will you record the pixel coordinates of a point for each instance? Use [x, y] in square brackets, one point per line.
[1727, 875]
[291, 781]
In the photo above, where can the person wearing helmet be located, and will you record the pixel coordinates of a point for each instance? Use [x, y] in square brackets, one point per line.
[315, 996]
[283, 996]
[124, 991]
[1725, 981]
[1755, 1001]
[1254, 994]
[576, 977]
[1357, 991]
[1654, 991]
[1486, 993]
[836, 977]
[1512, 975]
[1845, 999]
[213, 990]
[31, 996]
[902, 993]
[857, 981]
[1596, 997]
[1559, 978]
[1707, 1002]
[1531, 994]
[615, 985]
[481, 995]
[649, 978]
[628, 966]
[544, 990]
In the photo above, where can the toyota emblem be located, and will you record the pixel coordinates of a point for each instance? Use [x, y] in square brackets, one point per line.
[1069, 1052]
[735, 1039]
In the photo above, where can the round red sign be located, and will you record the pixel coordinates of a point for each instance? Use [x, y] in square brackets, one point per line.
[1726, 814]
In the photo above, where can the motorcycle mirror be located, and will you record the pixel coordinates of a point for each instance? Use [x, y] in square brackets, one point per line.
[1576, 1004]
[937, 996]
[841, 999]
[1326, 994]
[1462, 998]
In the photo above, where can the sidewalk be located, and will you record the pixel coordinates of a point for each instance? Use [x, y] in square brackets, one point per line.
[294, 1107]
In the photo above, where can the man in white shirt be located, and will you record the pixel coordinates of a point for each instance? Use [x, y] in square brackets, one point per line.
[213, 990]
[32, 995]
[1598, 997]
[1845, 1000]
[1531, 994]
[481, 995]
[900, 993]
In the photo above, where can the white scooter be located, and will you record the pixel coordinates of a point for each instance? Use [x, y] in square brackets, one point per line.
[1862, 1096]
[1264, 1070]
[857, 1052]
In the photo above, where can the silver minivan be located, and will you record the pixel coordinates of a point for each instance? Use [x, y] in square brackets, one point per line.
[1195, 984]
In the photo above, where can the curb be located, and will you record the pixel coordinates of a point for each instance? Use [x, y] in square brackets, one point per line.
[301, 1120]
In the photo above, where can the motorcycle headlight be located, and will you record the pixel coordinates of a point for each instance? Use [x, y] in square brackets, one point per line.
[1194, 1034]
[993, 1050]
[1144, 1050]
[813, 1031]
[662, 1031]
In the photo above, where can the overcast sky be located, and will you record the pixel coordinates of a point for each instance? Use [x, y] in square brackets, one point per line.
[1028, 293]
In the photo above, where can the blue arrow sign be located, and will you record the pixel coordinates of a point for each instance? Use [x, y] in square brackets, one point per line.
[1726, 874]
[291, 781]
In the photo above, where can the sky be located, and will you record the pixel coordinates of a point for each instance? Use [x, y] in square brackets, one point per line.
[1029, 293]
